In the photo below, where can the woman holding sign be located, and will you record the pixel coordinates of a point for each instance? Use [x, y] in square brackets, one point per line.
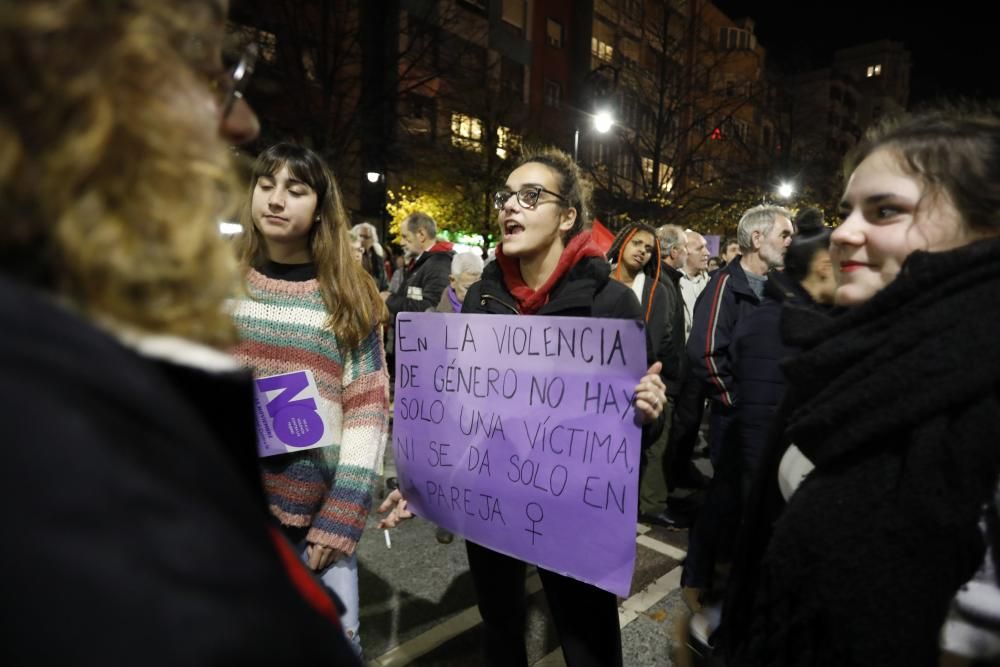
[547, 265]
[312, 307]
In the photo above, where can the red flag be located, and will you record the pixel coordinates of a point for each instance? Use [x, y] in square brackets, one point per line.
[602, 236]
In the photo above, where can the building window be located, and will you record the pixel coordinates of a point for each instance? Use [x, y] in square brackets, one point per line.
[598, 152]
[734, 38]
[630, 51]
[633, 8]
[874, 70]
[647, 121]
[513, 13]
[741, 129]
[512, 78]
[553, 94]
[507, 141]
[601, 50]
[629, 110]
[624, 167]
[665, 181]
[466, 132]
[554, 33]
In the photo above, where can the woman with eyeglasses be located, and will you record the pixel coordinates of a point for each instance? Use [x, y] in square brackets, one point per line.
[312, 306]
[138, 531]
[547, 265]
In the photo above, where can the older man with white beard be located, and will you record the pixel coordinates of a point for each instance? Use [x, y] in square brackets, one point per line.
[694, 275]
[764, 234]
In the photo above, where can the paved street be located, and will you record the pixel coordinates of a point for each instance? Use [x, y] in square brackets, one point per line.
[418, 607]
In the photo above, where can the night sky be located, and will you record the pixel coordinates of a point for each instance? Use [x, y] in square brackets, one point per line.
[954, 47]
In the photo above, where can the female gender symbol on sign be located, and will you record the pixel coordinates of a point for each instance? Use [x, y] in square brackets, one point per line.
[534, 508]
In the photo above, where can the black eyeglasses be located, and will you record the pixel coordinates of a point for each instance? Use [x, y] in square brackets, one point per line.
[526, 197]
[233, 84]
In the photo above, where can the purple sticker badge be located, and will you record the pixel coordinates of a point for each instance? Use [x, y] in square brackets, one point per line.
[289, 417]
[519, 433]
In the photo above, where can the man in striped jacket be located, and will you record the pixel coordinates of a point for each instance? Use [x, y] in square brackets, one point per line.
[764, 234]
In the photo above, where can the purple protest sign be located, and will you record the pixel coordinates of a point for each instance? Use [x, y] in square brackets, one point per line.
[519, 433]
[289, 417]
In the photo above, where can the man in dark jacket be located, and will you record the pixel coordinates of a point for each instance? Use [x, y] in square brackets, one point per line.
[764, 233]
[427, 279]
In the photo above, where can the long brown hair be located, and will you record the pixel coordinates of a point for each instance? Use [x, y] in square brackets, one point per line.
[349, 292]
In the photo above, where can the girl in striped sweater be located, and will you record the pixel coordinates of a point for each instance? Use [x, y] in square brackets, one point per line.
[311, 306]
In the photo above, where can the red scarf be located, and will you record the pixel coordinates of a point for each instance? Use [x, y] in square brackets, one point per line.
[529, 300]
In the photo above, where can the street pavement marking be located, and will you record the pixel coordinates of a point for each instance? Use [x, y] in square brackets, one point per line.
[661, 547]
[469, 618]
[647, 597]
[426, 642]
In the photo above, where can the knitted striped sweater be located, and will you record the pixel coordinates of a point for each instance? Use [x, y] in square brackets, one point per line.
[326, 489]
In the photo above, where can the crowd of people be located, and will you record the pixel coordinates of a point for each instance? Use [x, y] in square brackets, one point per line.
[850, 375]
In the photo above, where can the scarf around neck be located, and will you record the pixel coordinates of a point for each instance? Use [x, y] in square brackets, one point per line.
[530, 301]
[922, 345]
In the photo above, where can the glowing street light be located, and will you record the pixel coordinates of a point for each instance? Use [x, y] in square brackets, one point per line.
[786, 189]
[373, 176]
[603, 122]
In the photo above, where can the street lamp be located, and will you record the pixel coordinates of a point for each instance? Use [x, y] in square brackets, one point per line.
[786, 189]
[373, 177]
[603, 121]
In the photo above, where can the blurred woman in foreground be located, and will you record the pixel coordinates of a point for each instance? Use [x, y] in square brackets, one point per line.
[142, 534]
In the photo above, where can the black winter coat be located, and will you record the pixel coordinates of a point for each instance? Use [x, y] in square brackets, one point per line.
[726, 299]
[138, 527]
[424, 283]
[677, 366]
[896, 403]
[757, 351]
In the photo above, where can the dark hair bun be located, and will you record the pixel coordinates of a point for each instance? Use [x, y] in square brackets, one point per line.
[808, 221]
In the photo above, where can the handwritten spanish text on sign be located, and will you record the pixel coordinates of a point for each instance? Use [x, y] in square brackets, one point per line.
[519, 433]
[289, 414]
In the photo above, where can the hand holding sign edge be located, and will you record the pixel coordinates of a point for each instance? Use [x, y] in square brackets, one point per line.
[650, 395]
